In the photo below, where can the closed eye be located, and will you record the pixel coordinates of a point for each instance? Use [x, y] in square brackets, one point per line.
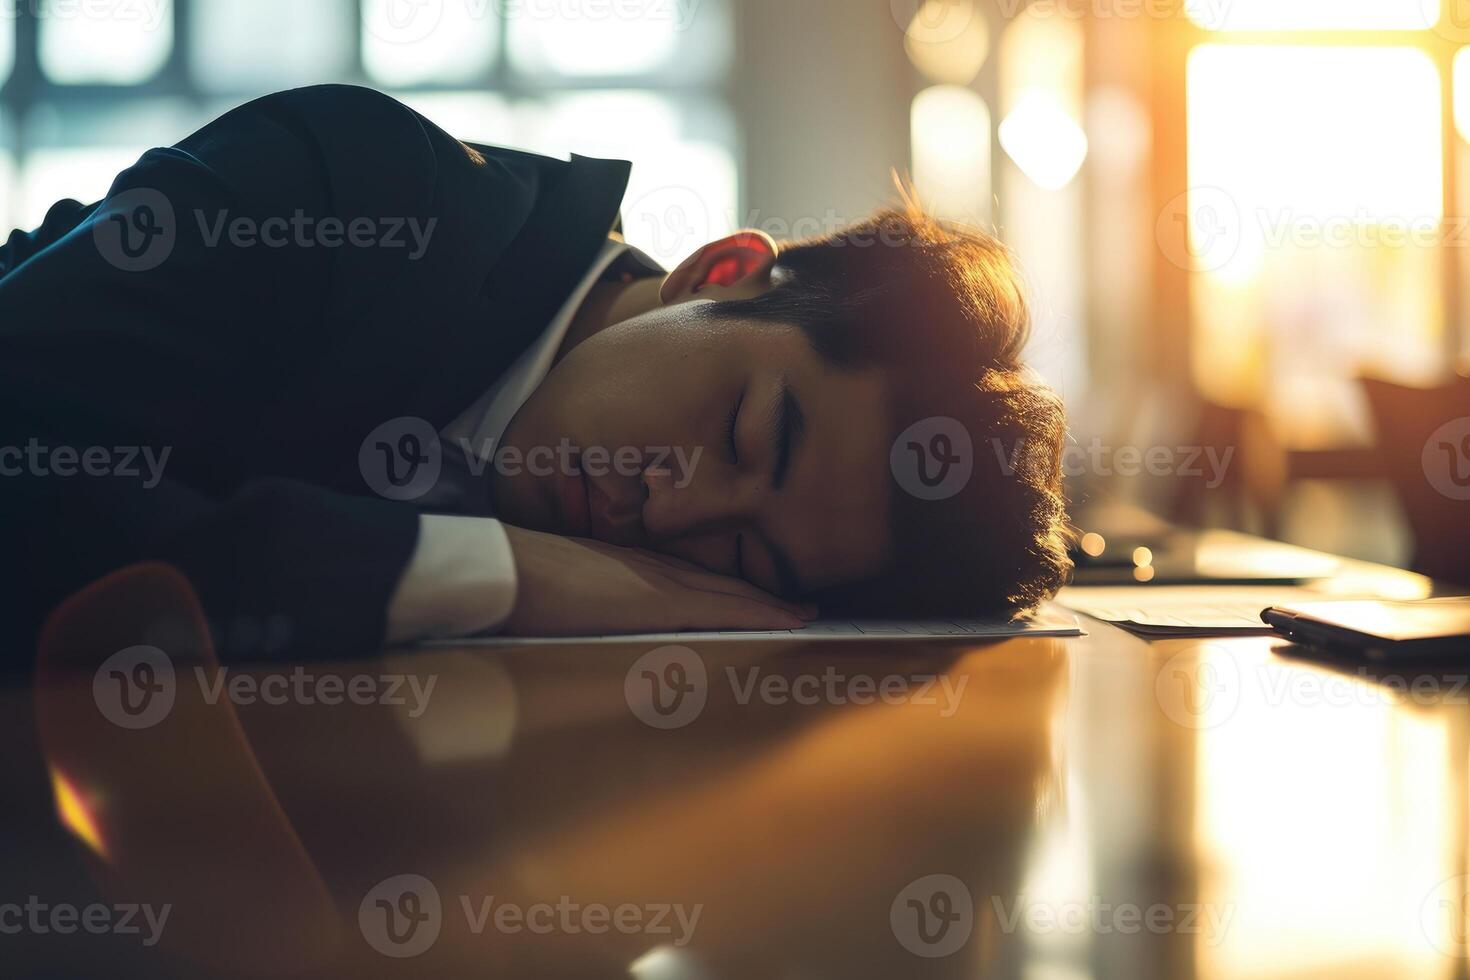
[730, 423]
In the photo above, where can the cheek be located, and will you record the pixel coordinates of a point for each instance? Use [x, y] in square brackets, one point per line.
[653, 387]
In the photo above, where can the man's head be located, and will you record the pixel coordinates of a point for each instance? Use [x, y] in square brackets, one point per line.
[750, 423]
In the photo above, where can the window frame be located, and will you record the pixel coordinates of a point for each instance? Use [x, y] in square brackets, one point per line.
[28, 88]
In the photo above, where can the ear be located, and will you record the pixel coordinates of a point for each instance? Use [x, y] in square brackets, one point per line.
[736, 267]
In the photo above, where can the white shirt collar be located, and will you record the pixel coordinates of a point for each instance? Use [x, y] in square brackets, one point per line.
[482, 424]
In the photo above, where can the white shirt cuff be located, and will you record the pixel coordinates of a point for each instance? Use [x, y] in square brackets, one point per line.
[460, 580]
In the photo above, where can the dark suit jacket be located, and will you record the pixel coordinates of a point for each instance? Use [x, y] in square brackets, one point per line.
[261, 369]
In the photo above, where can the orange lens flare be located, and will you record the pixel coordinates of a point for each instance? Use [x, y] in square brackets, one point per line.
[76, 813]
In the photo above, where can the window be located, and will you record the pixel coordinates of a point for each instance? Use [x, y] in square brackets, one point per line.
[1321, 236]
[117, 44]
[96, 84]
[455, 49]
[269, 44]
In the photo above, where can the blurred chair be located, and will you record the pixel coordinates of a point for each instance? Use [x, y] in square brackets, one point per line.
[1253, 486]
[1406, 419]
[1263, 472]
[172, 804]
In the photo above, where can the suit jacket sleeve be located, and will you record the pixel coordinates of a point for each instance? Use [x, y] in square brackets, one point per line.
[106, 364]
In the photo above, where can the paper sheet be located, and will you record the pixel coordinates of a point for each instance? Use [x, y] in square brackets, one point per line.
[1049, 621]
[1183, 609]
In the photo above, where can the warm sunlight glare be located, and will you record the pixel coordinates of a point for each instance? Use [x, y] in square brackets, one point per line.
[1287, 15]
[1320, 130]
[1289, 876]
[1041, 98]
[1316, 203]
[1462, 93]
[1040, 65]
[951, 147]
[1042, 55]
[1044, 141]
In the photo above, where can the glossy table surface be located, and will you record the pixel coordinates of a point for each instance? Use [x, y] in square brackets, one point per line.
[1100, 806]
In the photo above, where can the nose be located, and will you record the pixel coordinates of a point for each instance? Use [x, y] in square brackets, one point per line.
[707, 498]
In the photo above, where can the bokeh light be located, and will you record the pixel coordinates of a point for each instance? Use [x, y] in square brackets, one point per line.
[948, 40]
[951, 146]
[1044, 141]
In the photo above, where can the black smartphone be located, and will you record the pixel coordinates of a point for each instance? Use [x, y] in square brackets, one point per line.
[1376, 628]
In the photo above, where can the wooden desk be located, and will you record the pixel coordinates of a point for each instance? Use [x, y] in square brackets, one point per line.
[1092, 807]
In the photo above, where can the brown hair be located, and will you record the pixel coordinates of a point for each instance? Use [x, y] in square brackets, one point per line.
[943, 310]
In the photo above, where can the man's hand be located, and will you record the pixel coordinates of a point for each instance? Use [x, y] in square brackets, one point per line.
[572, 586]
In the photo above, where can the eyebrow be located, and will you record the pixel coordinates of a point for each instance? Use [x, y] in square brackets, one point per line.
[786, 424]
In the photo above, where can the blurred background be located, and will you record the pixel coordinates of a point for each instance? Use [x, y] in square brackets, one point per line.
[1242, 220]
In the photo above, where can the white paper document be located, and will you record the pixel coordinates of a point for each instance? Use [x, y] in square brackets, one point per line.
[1050, 621]
[1183, 610]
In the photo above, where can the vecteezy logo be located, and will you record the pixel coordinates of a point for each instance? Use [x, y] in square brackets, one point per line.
[667, 687]
[1442, 916]
[135, 688]
[401, 916]
[933, 916]
[669, 222]
[1198, 688]
[934, 21]
[1446, 459]
[402, 21]
[135, 230]
[933, 459]
[401, 459]
[1200, 230]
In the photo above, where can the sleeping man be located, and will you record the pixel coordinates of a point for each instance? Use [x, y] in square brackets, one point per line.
[363, 383]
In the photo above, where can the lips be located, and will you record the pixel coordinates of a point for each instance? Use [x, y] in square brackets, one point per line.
[586, 508]
[616, 521]
[599, 511]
